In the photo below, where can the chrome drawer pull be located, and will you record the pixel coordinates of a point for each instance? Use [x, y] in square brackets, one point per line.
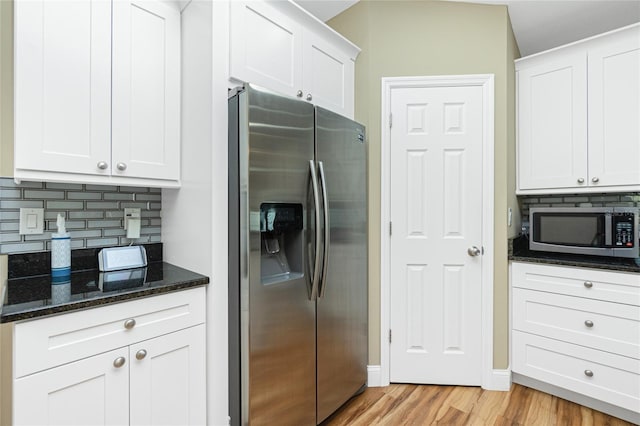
[588, 373]
[141, 354]
[588, 284]
[119, 362]
[588, 323]
[130, 323]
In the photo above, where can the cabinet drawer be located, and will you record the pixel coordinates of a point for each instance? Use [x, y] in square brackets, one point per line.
[51, 341]
[617, 287]
[607, 326]
[615, 379]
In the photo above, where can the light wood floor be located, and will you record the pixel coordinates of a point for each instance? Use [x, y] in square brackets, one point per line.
[401, 404]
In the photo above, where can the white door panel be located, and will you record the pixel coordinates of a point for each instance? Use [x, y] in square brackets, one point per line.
[436, 202]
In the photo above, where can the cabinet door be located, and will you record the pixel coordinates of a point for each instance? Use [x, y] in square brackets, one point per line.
[328, 75]
[88, 392]
[168, 379]
[266, 47]
[62, 85]
[614, 111]
[552, 123]
[146, 89]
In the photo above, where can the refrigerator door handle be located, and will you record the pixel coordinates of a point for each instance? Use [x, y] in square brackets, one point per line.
[316, 201]
[327, 229]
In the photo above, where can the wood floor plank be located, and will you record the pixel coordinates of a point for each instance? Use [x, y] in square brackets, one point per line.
[421, 405]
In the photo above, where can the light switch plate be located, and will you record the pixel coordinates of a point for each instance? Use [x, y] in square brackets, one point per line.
[31, 221]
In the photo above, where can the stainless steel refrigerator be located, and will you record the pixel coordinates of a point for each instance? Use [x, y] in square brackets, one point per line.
[297, 260]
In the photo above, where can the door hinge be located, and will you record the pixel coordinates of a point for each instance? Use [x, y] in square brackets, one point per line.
[390, 120]
[390, 228]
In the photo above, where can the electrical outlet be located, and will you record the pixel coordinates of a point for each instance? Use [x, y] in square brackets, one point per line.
[130, 213]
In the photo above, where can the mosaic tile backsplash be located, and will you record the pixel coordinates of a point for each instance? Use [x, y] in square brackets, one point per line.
[94, 214]
[624, 199]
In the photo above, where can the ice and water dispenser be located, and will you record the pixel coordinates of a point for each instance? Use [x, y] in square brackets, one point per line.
[281, 239]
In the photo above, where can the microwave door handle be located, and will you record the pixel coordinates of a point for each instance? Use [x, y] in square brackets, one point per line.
[316, 206]
[608, 231]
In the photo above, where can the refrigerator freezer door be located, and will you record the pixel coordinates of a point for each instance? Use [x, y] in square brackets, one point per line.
[278, 317]
[342, 309]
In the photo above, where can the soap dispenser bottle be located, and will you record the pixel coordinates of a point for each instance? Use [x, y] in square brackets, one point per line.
[60, 252]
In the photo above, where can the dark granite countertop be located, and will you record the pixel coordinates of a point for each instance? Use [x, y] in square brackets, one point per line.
[26, 297]
[519, 252]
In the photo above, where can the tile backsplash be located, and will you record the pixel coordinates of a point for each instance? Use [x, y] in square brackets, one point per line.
[94, 214]
[623, 199]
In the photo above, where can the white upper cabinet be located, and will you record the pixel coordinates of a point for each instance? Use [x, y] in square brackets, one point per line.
[62, 85]
[146, 90]
[578, 109]
[97, 91]
[266, 47]
[552, 130]
[614, 110]
[279, 46]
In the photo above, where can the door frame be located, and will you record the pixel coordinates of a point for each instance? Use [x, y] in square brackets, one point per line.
[486, 82]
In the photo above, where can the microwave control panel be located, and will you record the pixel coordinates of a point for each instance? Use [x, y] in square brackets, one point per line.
[623, 229]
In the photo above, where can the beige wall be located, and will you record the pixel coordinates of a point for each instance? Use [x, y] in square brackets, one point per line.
[6, 88]
[416, 38]
[6, 169]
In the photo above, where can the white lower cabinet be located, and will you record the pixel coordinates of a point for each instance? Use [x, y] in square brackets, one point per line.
[158, 380]
[578, 329]
[87, 392]
[168, 379]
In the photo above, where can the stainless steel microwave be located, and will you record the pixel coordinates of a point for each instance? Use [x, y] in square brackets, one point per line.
[600, 231]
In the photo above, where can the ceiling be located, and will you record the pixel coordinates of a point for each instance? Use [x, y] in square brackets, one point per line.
[537, 24]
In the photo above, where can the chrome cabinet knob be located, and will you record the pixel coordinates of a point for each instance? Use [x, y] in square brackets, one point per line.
[588, 373]
[581, 180]
[474, 251]
[102, 165]
[130, 323]
[588, 323]
[595, 180]
[119, 362]
[299, 94]
[121, 166]
[141, 354]
[588, 284]
[309, 97]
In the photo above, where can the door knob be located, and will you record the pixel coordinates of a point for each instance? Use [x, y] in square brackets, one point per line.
[588, 373]
[309, 97]
[588, 284]
[119, 362]
[588, 323]
[299, 94]
[581, 180]
[102, 165]
[474, 251]
[141, 354]
[121, 166]
[595, 180]
[130, 323]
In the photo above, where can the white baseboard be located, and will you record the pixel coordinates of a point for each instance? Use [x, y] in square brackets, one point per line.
[374, 378]
[498, 380]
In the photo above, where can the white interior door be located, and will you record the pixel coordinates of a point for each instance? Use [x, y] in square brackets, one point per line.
[436, 214]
